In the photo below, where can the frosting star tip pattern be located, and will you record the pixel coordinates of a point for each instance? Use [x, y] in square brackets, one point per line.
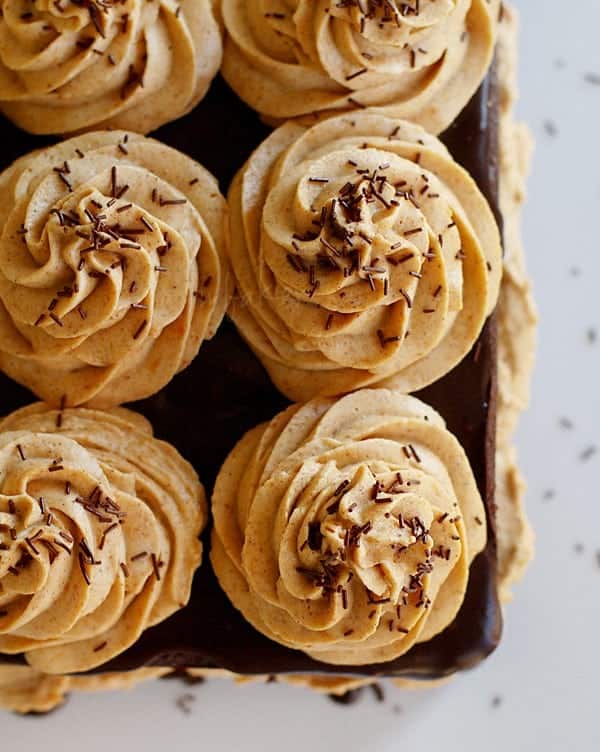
[346, 528]
[99, 534]
[417, 61]
[114, 267]
[363, 255]
[70, 66]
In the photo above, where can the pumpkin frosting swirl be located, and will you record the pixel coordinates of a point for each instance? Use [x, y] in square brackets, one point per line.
[363, 254]
[73, 65]
[112, 268]
[421, 61]
[99, 526]
[346, 529]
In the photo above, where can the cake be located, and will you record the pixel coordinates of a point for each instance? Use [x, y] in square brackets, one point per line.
[354, 418]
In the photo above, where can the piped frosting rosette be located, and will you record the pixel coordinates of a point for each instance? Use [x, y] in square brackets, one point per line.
[77, 64]
[99, 526]
[363, 254]
[112, 268]
[346, 529]
[421, 61]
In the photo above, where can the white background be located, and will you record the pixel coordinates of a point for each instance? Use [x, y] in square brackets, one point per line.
[545, 675]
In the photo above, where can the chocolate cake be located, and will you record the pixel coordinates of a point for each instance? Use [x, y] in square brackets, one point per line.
[207, 408]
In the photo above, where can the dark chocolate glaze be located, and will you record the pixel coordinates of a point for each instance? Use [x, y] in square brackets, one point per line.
[206, 409]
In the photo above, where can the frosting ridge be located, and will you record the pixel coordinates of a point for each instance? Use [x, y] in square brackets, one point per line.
[99, 528]
[418, 61]
[112, 267]
[72, 65]
[362, 253]
[346, 529]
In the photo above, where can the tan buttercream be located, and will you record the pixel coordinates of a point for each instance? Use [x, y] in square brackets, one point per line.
[517, 318]
[290, 58]
[112, 268]
[69, 66]
[25, 690]
[517, 313]
[346, 529]
[99, 527]
[363, 255]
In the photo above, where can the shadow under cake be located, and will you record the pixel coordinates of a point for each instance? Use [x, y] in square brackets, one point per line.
[206, 409]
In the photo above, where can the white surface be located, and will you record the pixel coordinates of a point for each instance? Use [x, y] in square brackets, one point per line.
[546, 670]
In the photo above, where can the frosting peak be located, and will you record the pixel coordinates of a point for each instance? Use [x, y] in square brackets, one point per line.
[98, 534]
[362, 254]
[78, 64]
[378, 543]
[421, 60]
[112, 271]
[346, 529]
